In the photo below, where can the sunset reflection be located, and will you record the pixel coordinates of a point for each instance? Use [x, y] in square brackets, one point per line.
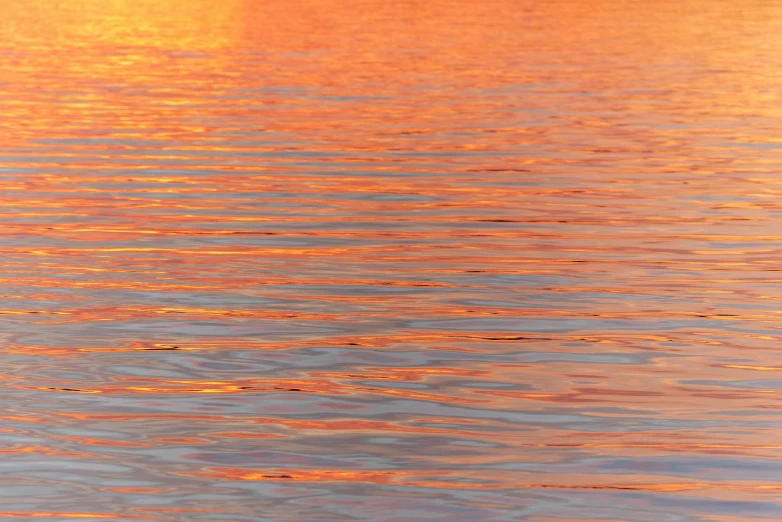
[390, 261]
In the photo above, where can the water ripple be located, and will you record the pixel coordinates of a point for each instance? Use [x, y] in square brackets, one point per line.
[404, 261]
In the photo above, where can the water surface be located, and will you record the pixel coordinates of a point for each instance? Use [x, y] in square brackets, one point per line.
[390, 261]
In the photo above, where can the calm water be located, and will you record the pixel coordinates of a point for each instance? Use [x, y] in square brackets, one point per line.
[406, 261]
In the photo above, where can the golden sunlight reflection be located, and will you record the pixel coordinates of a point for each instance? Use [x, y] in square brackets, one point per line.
[390, 261]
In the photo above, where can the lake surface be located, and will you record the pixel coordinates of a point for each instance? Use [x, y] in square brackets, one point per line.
[391, 261]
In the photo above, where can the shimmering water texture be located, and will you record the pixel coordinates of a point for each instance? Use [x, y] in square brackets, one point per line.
[390, 261]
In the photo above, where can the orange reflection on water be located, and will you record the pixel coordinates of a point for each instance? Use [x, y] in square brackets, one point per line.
[384, 251]
[408, 478]
[116, 516]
